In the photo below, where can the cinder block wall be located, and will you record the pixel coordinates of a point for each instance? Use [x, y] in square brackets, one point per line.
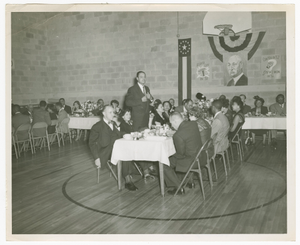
[92, 55]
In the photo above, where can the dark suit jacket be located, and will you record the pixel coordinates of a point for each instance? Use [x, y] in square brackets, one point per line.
[187, 141]
[158, 118]
[140, 109]
[241, 82]
[264, 110]
[19, 119]
[101, 141]
[68, 109]
[40, 115]
[246, 109]
[125, 127]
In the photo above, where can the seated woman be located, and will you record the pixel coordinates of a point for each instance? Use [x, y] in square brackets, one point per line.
[226, 110]
[195, 114]
[115, 105]
[259, 110]
[126, 124]
[52, 112]
[167, 108]
[158, 118]
[76, 109]
[238, 118]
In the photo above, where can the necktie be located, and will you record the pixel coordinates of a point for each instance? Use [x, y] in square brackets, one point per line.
[144, 90]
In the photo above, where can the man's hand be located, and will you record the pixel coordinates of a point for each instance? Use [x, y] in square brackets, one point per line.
[98, 163]
[144, 99]
[148, 96]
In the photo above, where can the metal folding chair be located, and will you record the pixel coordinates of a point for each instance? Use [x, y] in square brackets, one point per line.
[112, 172]
[60, 130]
[237, 140]
[14, 144]
[192, 168]
[39, 132]
[22, 136]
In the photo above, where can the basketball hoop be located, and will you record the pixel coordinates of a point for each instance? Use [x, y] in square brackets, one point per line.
[225, 29]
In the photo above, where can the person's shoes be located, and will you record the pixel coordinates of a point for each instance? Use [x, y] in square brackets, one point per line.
[153, 171]
[148, 176]
[191, 185]
[274, 144]
[130, 186]
[180, 192]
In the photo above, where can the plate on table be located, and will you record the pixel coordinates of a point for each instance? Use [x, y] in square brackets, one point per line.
[127, 137]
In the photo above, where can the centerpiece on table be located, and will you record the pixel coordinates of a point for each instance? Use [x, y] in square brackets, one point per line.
[205, 107]
[88, 106]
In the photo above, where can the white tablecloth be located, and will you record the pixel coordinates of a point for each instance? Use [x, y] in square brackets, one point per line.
[143, 150]
[83, 122]
[265, 123]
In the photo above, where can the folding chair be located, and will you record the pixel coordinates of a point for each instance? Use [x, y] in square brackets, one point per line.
[237, 140]
[223, 154]
[63, 128]
[112, 172]
[196, 161]
[23, 136]
[55, 134]
[39, 132]
[14, 143]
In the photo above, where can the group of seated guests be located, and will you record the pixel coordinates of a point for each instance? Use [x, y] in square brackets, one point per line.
[191, 132]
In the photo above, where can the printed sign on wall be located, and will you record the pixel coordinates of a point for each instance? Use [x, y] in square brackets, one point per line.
[203, 71]
[271, 67]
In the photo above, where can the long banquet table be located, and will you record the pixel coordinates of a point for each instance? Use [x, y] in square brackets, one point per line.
[157, 149]
[265, 123]
[83, 122]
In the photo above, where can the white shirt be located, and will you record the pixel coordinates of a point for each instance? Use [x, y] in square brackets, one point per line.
[141, 87]
[111, 124]
[235, 79]
[217, 113]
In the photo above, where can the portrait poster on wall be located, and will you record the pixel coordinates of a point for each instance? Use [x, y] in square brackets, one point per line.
[235, 69]
[271, 67]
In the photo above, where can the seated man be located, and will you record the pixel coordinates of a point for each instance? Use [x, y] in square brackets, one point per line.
[102, 138]
[64, 106]
[41, 115]
[18, 118]
[187, 141]
[278, 109]
[220, 128]
[62, 114]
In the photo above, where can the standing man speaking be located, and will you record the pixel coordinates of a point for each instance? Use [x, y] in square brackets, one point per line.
[139, 98]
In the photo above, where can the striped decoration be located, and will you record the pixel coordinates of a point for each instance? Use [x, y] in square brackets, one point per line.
[184, 69]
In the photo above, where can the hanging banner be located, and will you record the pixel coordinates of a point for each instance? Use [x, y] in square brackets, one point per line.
[184, 69]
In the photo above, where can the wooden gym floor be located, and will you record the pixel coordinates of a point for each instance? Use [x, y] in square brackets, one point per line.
[56, 192]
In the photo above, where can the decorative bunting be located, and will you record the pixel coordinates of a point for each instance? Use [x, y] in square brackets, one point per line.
[184, 69]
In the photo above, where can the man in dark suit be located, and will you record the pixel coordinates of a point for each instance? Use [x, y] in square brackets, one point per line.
[41, 115]
[187, 104]
[172, 102]
[246, 108]
[187, 141]
[102, 138]
[138, 97]
[235, 71]
[64, 106]
[18, 118]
